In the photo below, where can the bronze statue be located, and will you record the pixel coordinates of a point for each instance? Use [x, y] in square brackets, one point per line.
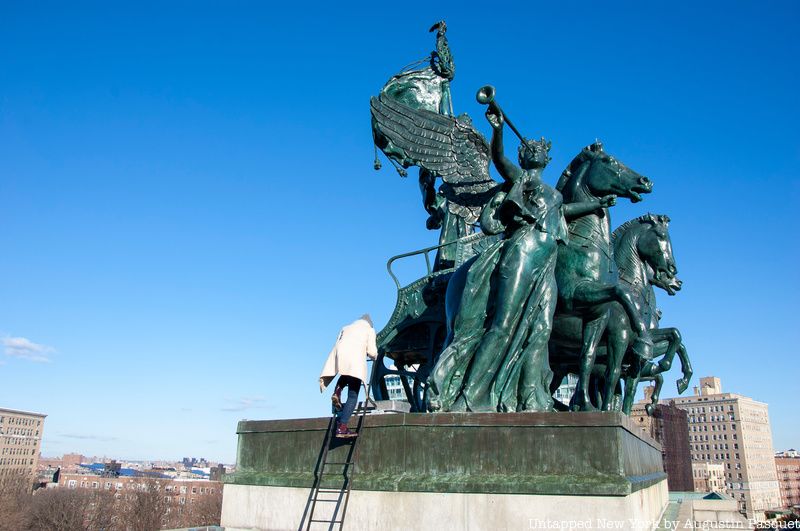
[455, 208]
[539, 288]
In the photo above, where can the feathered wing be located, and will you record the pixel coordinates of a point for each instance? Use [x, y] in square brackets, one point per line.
[447, 147]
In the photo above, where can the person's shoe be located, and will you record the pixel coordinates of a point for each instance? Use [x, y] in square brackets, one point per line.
[343, 432]
[336, 401]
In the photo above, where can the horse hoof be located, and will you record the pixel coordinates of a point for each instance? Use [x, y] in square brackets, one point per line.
[649, 409]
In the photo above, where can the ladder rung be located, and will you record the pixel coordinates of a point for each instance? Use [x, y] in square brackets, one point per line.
[327, 521]
[320, 500]
[339, 463]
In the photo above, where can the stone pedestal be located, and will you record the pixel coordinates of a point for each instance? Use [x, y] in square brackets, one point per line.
[455, 471]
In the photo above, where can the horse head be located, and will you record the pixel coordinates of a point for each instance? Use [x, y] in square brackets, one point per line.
[655, 247]
[643, 252]
[594, 174]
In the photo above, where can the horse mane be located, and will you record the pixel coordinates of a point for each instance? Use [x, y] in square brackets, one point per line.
[570, 170]
[575, 170]
[647, 218]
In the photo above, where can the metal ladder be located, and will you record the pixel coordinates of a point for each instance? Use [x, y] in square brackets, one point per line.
[340, 496]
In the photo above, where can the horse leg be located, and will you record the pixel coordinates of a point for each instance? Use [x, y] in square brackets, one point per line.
[595, 396]
[674, 346]
[619, 337]
[659, 383]
[592, 333]
[631, 383]
[686, 369]
[593, 293]
[665, 363]
[616, 401]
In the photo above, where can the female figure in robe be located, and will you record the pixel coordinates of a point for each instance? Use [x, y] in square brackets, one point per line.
[501, 303]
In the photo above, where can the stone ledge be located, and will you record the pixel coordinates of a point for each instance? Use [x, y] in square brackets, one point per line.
[566, 454]
[520, 420]
[599, 485]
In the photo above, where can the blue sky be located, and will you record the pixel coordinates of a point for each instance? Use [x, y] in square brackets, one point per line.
[190, 211]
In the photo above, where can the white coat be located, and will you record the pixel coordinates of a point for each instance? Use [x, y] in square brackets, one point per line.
[348, 356]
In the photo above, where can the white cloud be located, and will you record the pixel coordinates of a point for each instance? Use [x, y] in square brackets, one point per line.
[20, 347]
[248, 402]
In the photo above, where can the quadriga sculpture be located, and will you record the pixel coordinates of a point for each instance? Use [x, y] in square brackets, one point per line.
[524, 294]
[500, 304]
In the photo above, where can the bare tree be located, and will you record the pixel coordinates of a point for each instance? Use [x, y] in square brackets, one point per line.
[205, 511]
[145, 507]
[71, 510]
[15, 501]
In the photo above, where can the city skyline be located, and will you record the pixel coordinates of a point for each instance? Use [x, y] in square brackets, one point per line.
[191, 212]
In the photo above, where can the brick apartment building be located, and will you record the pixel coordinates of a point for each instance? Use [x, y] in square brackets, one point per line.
[787, 465]
[20, 443]
[669, 426]
[178, 491]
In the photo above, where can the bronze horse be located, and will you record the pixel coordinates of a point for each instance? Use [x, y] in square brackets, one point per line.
[643, 253]
[589, 291]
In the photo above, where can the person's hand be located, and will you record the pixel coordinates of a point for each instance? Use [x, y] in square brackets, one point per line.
[608, 201]
[495, 118]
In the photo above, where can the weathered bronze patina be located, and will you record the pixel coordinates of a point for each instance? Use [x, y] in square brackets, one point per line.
[528, 283]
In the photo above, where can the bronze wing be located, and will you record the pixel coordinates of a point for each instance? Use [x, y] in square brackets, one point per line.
[446, 146]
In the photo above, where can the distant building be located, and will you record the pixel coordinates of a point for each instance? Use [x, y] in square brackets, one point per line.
[787, 466]
[788, 453]
[20, 443]
[176, 491]
[111, 469]
[216, 473]
[71, 461]
[705, 511]
[191, 462]
[394, 387]
[669, 426]
[567, 388]
[708, 477]
[734, 430]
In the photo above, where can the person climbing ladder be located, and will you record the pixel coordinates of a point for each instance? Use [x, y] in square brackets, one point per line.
[348, 359]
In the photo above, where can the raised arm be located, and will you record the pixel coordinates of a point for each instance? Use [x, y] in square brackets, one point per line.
[507, 169]
[576, 210]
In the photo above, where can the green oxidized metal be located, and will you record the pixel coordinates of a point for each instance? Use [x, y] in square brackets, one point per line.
[528, 282]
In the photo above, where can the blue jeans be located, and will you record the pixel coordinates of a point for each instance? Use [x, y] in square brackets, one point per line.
[353, 387]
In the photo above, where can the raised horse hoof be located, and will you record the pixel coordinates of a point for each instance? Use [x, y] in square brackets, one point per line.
[650, 409]
[683, 384]
[643, 348]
